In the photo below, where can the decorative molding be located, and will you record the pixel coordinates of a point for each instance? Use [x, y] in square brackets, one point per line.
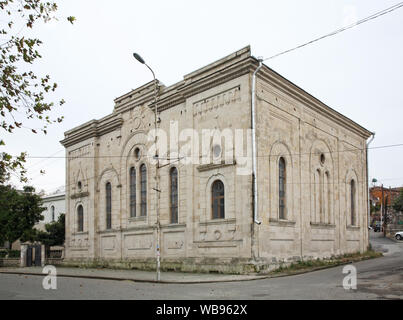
[226, 97]
[108, 231]
[138, 218]
[173, 226]
[217, 222]
[320, 225]
[79, 195]
[281, 223]
[79, 233]
[212, 166]
[149, 229]
[80, 152]
[92, 129]
[353, 228]
[218, 243]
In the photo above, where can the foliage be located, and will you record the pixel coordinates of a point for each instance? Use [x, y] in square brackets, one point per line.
[55, 233]
[19, 212]
[23, 93]
[375, 207]
[11, 254]
[398, 202]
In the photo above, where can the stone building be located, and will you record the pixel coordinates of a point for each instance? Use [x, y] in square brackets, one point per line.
[310, 170]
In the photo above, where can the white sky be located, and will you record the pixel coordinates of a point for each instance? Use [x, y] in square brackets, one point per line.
[357, 72]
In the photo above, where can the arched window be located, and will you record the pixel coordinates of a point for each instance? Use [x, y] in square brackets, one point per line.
[80, 218]
[217, 200]
[108, 190]
[174, 194]
[132, 192]
[52, 209]
[282, 188]
[143, 185]
[352, 200]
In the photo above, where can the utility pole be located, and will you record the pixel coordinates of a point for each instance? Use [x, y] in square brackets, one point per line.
[156, 157]
[383, 212]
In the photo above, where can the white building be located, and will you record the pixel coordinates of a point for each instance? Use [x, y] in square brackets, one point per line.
[55, 205]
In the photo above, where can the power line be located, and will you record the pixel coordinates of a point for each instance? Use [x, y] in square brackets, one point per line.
[371, 17]
[182, 174]
[184, 156]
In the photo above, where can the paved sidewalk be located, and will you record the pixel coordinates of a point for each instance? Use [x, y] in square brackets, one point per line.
[134, 275]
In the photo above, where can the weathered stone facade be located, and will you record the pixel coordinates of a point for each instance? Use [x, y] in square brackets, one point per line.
[323, 152]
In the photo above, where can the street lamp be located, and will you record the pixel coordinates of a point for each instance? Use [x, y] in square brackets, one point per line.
[141, 60]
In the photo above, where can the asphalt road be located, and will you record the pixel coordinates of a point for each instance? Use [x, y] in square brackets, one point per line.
[380, 278]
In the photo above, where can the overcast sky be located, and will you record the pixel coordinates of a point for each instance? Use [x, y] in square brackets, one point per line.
[357, 72]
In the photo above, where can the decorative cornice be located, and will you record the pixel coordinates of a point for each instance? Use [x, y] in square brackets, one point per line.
[231, 67]
[92, 129]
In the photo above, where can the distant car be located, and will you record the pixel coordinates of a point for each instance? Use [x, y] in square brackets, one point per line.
[399, 235]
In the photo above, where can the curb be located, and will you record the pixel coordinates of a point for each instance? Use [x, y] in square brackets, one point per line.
[135, 280]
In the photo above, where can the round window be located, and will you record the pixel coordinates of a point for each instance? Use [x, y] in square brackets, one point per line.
[217, 151]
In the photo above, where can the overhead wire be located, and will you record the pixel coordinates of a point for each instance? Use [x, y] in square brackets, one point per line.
[371, 17]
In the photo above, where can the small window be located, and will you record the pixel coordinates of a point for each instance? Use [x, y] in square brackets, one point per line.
[80, 218]
[174, 195]
[322, 158]
[137, 153]
[79, 186]
[216, 151]
[217, 200]
[108, 189]
[52, 209]
[352, 199]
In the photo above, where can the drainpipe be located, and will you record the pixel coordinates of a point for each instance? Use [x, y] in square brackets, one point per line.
[369, 206]
[254, 162]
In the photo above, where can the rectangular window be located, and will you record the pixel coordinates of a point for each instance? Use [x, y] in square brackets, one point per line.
[143, 183]
[108, 206]
[352, 199]
[281, 188]
[174, 195]
[132, 192]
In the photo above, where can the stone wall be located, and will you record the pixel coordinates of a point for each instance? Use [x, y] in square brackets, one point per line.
[9, 262]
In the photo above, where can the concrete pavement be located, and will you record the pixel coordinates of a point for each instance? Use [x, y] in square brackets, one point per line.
[134, 275]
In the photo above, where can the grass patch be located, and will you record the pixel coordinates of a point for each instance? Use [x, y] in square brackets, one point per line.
[311, 265]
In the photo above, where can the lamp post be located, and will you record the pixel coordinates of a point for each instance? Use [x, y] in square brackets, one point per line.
[157, 195]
